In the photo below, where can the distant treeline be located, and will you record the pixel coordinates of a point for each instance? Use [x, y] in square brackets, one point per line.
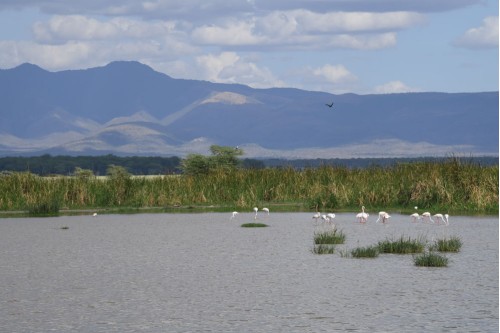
[142, 165]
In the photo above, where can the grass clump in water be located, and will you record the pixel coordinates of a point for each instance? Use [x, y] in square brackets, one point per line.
[329, 237]
[452, 244]
[430, 259]
[401, 246]
[254, 225]
[365, 252]
[323, 249]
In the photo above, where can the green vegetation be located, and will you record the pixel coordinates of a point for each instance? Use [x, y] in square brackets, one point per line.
[323, 249]
[430, 259]
[452, 244]
[453, 186]
[329, 237]
[254, 225]
[365, 252]
[402, 245]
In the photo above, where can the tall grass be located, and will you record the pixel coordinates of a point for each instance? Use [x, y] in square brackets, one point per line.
[452, 186]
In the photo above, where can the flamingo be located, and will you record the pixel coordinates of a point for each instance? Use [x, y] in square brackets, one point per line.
[266, 210]
[362, 217]
[316, 216]
[95, 214]
[255, 209]
[385, 217]
[233, 216]
[381, 216]
[325, 218]
[331, 216]
[415, 217]
[442, 218]
[427, 215]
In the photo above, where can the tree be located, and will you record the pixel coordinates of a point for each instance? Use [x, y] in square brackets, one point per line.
[222, 158]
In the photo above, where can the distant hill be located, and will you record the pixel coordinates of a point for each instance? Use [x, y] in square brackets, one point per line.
[127, 108]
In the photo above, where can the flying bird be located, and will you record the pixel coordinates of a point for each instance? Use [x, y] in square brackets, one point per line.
[329, 105]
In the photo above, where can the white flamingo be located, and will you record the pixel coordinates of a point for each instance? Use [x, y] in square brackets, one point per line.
[362, 217]
[381, 216]
[316, 216]
[439, 217]
[233, 216]
[331, 216]
[255, 209]
[415, 217]
[428, 216]
[266, 210]
[385, 217]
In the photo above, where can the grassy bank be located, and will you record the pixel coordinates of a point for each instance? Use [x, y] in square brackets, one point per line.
[451, 186]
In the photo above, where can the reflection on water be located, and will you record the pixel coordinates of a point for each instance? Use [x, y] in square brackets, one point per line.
[203, 272]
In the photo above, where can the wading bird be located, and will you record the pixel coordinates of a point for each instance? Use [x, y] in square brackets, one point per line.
[381, 216]
[427, 215]
[415, 217]
[233, 216]
[362, 217]
[255, 209]
[442, 218]
[266, 210]
[316, 216]
[331, 216]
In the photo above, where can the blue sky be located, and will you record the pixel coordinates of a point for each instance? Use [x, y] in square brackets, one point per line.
[337, 46]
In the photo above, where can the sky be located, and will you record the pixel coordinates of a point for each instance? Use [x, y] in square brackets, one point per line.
[336, 46]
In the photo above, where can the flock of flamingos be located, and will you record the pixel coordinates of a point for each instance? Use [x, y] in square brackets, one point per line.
[362, 217]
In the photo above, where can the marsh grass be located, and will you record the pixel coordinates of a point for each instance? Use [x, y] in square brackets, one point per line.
[47, 207]
[403, 245]
[254, 225]
[365, 252]
[333, 236]
[323, 249]
[430, 259]
[453, 186]
[452, 244]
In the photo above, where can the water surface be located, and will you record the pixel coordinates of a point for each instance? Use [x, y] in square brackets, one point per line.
[204, 273]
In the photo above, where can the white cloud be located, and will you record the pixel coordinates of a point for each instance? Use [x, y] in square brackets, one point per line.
[485, 36]
[78, 27]
[394, 87]
[229, 67]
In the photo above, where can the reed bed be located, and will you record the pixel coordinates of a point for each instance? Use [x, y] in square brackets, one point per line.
[453, 186]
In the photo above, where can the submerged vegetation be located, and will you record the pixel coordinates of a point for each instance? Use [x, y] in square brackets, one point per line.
[453, 186]
[254, 225]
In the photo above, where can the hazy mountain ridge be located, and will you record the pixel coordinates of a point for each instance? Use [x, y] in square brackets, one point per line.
[128, 108]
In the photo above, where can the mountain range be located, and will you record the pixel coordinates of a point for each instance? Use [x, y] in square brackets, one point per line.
[127, 108]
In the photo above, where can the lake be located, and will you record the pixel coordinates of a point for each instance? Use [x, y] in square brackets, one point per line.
[204, 273]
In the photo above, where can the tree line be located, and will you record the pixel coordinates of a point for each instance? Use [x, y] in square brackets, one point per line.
[222, 157]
